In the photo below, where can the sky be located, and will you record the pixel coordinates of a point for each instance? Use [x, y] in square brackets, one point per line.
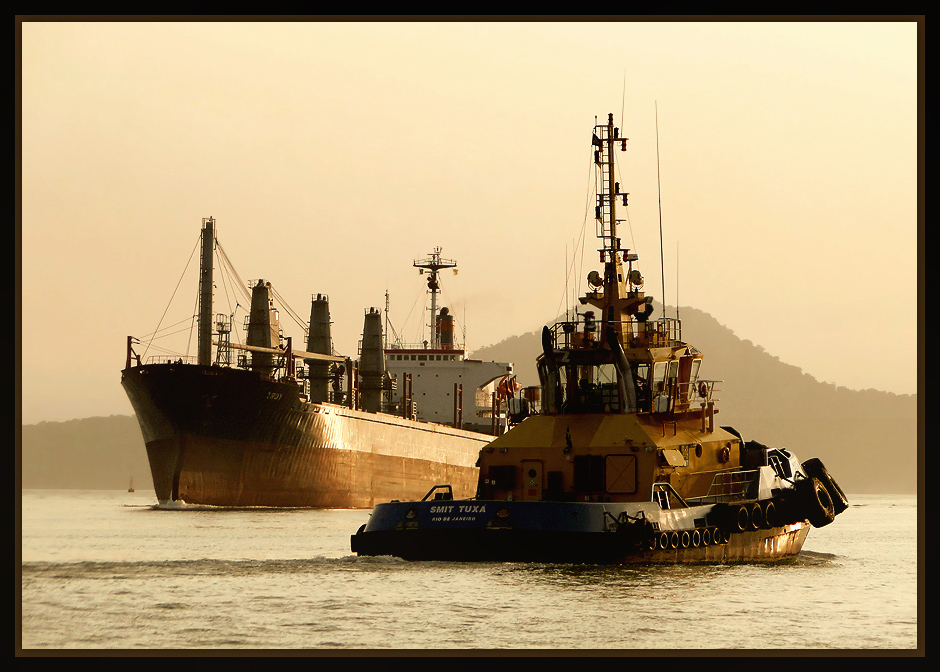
[779, 159]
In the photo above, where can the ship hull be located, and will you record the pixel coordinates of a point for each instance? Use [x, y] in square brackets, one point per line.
[227, 437]
[473, 531]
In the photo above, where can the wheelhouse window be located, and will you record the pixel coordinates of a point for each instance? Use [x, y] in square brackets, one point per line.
[696, 365]
[658, 382]
[664, 380]
[590, 389]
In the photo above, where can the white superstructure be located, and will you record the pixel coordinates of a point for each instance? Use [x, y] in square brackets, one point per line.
[433, 381]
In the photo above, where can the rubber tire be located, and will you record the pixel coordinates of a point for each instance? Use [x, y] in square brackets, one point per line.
[771, 519]
[720, 536]
[818, 503]
[814, 469]
[756, 516]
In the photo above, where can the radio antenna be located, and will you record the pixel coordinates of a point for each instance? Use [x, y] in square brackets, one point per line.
[567, 311]
[662, 263]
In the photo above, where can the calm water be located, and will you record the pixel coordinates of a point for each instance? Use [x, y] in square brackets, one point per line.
[106, 570]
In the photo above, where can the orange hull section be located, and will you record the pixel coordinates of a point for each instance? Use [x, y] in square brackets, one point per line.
[221, 472]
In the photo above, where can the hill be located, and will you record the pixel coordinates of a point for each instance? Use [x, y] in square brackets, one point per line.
[867, 439]
[90, 453]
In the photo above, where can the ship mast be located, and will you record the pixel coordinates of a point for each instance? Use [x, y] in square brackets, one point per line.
[205, 292]
[616, 304]
[433, 264]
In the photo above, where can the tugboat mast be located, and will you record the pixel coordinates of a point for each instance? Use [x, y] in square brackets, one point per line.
[433, 264]
[616, 304]
[613, 269]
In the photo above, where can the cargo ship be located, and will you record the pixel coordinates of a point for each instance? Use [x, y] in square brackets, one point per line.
[618, 458]
[262, 423]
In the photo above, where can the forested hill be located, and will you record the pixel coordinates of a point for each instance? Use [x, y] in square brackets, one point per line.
[90, 453]
[867, 438]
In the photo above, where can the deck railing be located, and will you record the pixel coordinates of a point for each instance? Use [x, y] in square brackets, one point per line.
[169, 359]
[728, 486]
[582, 330]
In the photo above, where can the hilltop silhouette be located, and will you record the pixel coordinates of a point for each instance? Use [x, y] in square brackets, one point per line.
[867, 438]
[89, 453]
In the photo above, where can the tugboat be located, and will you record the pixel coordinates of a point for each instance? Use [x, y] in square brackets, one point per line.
[616, 457]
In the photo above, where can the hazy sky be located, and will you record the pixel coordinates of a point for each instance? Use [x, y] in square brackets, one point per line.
[332, 155]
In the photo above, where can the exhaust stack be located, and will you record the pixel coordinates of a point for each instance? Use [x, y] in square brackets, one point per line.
[320, 342]
[263, 328]
[372, 362]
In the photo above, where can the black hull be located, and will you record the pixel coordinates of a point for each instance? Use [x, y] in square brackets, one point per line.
[227, 437]
[564, 532]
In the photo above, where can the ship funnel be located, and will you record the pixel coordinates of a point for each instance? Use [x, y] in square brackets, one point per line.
[625, 377]
[445, 329]
[263, 328]
[372, 362]
[320, 341]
